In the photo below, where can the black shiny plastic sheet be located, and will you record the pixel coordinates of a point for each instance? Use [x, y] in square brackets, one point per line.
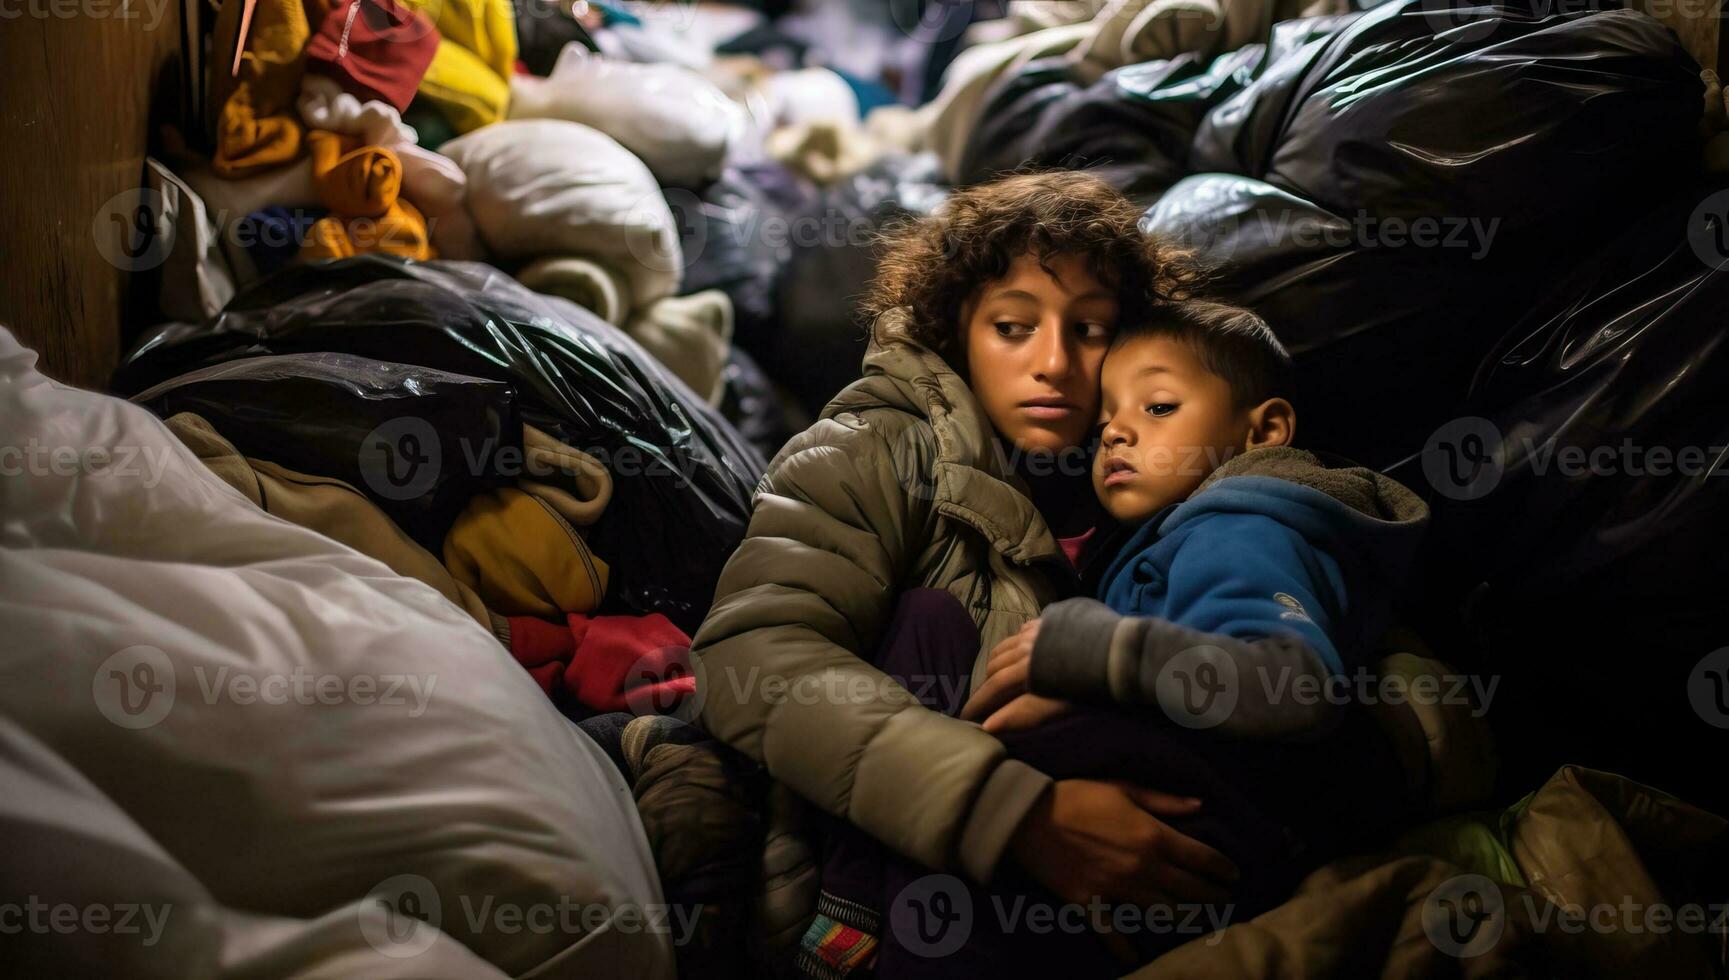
[1394, 198]
[1385, 338]
[682, 475]
[1581, 507]
[418, 441]
[1133, 126]
[736, 236]
[752, 403]
[1410, 110]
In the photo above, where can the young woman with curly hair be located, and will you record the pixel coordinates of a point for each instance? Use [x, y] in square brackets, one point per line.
[937, 500]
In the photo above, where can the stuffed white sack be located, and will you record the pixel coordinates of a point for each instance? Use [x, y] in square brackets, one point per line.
[75, 857]
[296, 726]
[547, 187]
[677, 121]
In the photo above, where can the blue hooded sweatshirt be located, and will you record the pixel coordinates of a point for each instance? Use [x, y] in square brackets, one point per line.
[1275, 542]
[1279, 569]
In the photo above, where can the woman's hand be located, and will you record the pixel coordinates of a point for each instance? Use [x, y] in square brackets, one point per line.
[1007, 670]
[1087, 839]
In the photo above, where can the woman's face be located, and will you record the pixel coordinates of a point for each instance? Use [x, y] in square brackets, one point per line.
[1034, 344]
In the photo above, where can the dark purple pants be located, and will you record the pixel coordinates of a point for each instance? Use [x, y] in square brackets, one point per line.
[1276, 810]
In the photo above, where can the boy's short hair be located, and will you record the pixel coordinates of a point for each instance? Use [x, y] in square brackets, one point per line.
[932, 266]
[1234, 343]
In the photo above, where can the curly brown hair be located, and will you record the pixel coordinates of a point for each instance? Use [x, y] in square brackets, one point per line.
[932, 266]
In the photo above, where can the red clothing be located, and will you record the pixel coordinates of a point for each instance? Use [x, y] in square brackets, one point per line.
[639, 664]
[377, 50]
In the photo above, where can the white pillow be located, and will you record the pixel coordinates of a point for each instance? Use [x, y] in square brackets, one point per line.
[296, 726]
[677, 121]
[547, 187]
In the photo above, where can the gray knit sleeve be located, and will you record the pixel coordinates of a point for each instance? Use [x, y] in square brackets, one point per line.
[1272, 687]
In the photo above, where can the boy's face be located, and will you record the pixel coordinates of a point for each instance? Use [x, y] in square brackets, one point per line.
[1168, 423]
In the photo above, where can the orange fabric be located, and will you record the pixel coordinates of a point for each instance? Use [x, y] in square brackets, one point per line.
[354, 181]
[247, 143]
[401, 231]
[362, 187]
[256, 128]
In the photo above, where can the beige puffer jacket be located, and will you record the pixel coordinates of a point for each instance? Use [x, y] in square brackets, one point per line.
[898, 485]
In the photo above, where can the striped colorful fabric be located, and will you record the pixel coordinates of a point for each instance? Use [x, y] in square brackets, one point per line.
[833, 950]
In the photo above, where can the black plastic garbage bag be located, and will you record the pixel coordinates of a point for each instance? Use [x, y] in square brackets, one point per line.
[822, 341]
[1385, 338]
[1240, 132]
[543, 28]
[1523, 113]
[1122, 128]
[736, 236]
[396, 432]
[752, 403]
[682, 475]
[1131, 128]
[1580, 507]
[1421, 190]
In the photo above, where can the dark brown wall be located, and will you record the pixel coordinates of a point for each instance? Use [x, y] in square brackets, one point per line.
[74, 121]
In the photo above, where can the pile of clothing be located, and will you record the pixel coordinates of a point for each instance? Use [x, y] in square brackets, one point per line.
[252, 718]
[561, 441]
[623, 162]
[528, 460]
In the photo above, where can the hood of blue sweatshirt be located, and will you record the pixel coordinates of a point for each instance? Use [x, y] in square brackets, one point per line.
[1345, 534]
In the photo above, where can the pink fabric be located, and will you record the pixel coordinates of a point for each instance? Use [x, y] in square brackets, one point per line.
[1072, 546]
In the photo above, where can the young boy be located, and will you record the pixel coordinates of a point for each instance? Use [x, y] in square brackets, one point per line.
[1258, 572]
